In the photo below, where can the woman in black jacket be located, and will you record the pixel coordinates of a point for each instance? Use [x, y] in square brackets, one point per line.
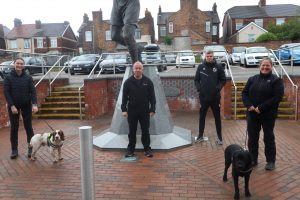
[21, 98]
[262, 95]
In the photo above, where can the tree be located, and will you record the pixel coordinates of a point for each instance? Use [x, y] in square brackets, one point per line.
[286, 31]
[168, 40]
[266, 37]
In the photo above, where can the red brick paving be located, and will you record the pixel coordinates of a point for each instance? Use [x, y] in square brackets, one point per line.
[193, 172]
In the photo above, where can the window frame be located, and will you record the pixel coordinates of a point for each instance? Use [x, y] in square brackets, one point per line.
[259, 22]
[40, 42]
[108, 35]
[278, 23]
[53, 42]
[207, 26]
[13, 44]
[88, 36]
[163, 31]
[171, 27]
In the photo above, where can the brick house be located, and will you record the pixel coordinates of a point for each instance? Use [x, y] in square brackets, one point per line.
[95, 35]
[2, 38]
[238, 17]
[189, 27]
[41, 37]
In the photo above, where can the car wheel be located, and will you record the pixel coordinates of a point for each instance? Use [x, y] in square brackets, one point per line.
[72, 73]
[245, 63]
[176, 66]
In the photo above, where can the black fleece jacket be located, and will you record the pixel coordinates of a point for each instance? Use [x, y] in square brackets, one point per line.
[138, 95]
[19, 90]
[209, 80]
[264, 92]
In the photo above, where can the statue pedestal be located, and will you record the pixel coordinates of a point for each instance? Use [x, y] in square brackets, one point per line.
[163, 134]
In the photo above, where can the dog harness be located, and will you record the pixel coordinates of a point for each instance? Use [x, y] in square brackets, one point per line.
[50, 144]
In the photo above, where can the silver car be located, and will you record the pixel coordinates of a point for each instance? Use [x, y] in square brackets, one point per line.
[220, 53]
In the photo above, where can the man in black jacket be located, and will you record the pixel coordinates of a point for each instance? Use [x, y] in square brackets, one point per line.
[261, 96]
[20, 95]
[138, 104]
[209, 80]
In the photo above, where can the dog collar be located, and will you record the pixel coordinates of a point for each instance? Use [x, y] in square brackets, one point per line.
[50, 144]
[251, 168]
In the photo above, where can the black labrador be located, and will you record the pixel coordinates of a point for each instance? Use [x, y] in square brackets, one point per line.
[241, 166]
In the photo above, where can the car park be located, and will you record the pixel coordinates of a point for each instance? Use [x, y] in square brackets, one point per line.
[235, 56]
[35, 65]
[286, 52]
[84, 64]
[220, 53]
[5, 68]
[153, 56]
[185, 58]
[114, 63]
[170, 58]
[253, 55]
[69, 63]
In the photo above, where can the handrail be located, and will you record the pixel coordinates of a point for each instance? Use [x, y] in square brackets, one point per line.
[291, 81]
[48, 73]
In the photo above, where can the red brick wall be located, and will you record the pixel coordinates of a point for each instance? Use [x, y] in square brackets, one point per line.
[226, 110]
[290, 91]
[41, 90]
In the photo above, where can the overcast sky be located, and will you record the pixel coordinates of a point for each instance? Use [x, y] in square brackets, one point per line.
[58, 11]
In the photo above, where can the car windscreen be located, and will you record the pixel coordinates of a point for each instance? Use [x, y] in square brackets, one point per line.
[257, 50]
[215, 48]
[186, 54]
[86, 58]
[115, 56]
[238, 49]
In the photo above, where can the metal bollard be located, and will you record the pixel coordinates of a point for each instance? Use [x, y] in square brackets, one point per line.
[87, 163]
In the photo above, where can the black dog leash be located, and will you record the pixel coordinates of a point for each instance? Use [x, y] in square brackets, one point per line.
[49, 125]
[246, 136]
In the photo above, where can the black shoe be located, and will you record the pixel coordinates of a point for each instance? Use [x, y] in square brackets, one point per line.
[14, 154]
[29, 152]
[148, 153]
[270, 166]
[129, 154]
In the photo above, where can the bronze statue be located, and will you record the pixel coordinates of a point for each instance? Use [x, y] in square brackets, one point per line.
[124, 19]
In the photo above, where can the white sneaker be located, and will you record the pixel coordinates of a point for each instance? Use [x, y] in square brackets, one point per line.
[219, 142]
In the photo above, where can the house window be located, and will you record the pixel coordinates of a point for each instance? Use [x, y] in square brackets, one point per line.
[215, 30]
[251, 37]
[170, 27]
[279, 21]
[88, 36]
[39, 42]
[137, 34]
[238, 25]
[53, 42]
[13, 44]
[162, 31]
[26, 43]
[108, 35]
[259, 22]
[207, 26]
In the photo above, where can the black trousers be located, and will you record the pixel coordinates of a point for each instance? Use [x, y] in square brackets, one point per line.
[133, 119]
[254, 125]
[215, 106]
[26, 111]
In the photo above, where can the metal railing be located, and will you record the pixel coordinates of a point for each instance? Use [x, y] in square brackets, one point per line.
[295, 87]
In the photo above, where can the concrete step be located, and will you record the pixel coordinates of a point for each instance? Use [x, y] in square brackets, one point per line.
[59, 116]
[280, 116]
[67, 93]
[64, 104]
[66, 88]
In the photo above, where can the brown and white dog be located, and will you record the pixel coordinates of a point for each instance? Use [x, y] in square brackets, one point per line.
[53, 140]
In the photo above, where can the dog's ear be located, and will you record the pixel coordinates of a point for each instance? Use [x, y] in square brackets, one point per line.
[52, 135]
[62, 135]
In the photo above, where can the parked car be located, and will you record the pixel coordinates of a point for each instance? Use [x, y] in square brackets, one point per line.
[185, 58]
[35, 65]
[114, 63]
[220, 53]
[69, 63]
[84, 64]
[170, 58]
[153, 55]
[235, 56]
[5, 68]
[253, 55]
[287, 51]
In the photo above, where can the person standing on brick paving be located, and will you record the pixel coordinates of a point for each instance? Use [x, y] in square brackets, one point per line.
[209, 81]
[124, 20]
[20, 94]
[138, 105]
[261, 96]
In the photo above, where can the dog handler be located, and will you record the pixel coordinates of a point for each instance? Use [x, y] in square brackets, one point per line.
[138, 104]
[21, 98]
[262, 95]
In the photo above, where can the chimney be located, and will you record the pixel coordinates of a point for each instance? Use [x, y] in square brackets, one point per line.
[85, 18]
[17, 22]
[38, 24]
[262, 3]
[1, 31]
[97, 16]
[159, 10]
[189, 4]
[147, 13]
[214, 8]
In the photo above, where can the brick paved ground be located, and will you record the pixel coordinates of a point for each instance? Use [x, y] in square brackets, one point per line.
[193, 172]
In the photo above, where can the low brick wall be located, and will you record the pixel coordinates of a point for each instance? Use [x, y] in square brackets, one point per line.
[42, 91]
